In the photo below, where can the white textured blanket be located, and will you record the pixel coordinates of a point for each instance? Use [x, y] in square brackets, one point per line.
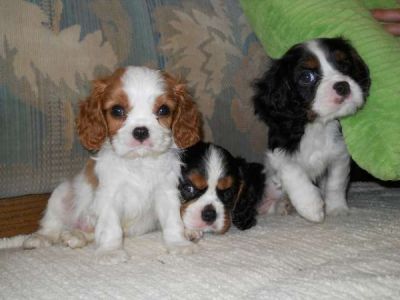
[347, 257]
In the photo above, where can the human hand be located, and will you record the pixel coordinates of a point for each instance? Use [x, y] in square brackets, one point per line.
[390, 19]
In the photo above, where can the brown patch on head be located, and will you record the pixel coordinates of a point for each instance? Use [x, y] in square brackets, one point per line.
[94, 122]
[311, 63]
[186, 121]
[90, 174]
[225, 183]
[340, 55]
[227, 222]
[198, 180]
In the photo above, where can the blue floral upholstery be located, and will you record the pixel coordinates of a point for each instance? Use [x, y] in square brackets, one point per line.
[50, 50]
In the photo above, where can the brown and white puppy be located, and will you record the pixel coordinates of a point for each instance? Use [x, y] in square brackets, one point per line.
[136, 120]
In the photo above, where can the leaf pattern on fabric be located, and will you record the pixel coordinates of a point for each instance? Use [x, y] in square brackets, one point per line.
[216, 52]
[59, 56]
[199, 44]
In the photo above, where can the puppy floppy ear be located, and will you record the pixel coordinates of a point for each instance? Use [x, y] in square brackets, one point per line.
[271, 92]
[361, 72]
[249, 195]
[91, 124]
[278, 103]
[186, 124]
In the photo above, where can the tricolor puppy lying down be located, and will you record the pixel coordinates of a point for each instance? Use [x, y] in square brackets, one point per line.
[135, 120]
[217, 190]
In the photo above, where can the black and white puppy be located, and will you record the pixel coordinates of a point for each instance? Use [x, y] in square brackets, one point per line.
[300, 98]
[217, 190]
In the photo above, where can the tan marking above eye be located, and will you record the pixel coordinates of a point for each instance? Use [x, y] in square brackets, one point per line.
[198, 180]
[225, 183]
[117, 97]
[339, 55]
[311, 63]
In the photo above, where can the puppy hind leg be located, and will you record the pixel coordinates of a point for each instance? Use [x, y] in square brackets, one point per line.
[52, 222]
[44, 237]
[272, 197]
[285, 207]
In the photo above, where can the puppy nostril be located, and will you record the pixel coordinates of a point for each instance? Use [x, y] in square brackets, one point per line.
[209, 215]
[140, 133]
[342, 88]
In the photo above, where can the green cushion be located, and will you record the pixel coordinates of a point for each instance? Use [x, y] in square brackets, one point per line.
[373, 134]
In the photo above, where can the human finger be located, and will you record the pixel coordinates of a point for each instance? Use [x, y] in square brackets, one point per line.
[386, 15]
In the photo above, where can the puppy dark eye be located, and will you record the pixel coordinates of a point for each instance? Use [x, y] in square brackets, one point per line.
[118, 111]
[188, 189]
[307, 77]
[163, 111]
[228, 193]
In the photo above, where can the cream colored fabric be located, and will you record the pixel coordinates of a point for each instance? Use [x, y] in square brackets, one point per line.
[347, 257]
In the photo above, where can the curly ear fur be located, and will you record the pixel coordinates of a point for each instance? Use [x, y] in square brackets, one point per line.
[361, 72]
[91, 125]
[278, 104]
[250, 194]
[186, 125]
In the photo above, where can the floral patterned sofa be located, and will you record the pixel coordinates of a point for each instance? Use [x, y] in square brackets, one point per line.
[50, 50]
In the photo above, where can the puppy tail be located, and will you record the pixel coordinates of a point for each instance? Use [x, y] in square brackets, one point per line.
[250, 195]
[13, 242]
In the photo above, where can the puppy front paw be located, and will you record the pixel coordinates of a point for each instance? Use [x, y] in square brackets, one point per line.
[193, 235]
[111, 257]
[312, 211]
[183, 247]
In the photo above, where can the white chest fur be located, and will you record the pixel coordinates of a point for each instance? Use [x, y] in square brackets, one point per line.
[320, 146]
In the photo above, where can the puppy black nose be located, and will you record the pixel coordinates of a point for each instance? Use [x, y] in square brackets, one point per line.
[342, 88]
[209, 215]
[140, 133]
